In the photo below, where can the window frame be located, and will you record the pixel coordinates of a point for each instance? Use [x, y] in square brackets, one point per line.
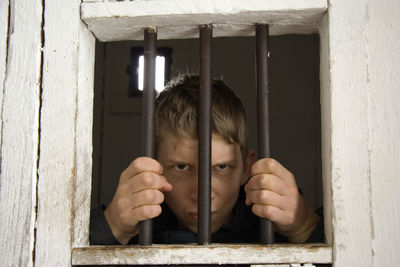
[307, 17]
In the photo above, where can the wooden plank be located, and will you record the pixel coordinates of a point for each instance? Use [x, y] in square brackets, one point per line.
[4, 5]
[285, 265]
[383, 38]
[348, 100]
[84, 147]
[178, 19]
[213, 254]
[58, 152]
[20, 133]
[326, 128]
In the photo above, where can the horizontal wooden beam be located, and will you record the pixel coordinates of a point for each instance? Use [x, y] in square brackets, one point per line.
[178, 19]
[193, 254]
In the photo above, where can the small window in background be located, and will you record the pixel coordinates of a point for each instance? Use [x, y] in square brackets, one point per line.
[136, 68]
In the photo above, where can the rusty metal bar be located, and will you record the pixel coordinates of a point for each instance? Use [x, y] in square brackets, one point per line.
[204, 135]
[149, 93]
[262, 55]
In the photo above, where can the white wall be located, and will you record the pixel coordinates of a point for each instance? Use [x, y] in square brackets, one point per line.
[383, 58]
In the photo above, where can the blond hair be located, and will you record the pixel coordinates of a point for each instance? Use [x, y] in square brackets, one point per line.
[176, 112]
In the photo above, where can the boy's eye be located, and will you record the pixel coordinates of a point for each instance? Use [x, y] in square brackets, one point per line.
[222, 167]
[182, 167]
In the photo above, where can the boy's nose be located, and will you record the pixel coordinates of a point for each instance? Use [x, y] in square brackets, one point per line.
[194, 193]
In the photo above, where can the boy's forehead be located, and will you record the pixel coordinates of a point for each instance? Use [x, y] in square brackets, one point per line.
[172, 146]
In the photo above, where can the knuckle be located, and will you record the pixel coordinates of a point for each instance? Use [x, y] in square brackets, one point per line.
[146, 212]
[147, 179]
[152, 211]
[263, 211]
[137, 164]
[264, 181]
[271, 164]
[149, 196]
[160, 197]
[267, 212]
[264, 196]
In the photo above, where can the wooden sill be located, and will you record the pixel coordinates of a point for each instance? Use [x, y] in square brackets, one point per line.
[212, 254]
[177, 19]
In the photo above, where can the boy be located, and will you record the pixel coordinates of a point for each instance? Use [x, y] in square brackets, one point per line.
[165, 189]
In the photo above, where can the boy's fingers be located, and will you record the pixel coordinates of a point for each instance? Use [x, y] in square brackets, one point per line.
[267, 182]
[167, 186]
[147, 197]
[146, 180]
[272, 166]
[268, 212]
[139, 165]
[264, 197]
[145, 212]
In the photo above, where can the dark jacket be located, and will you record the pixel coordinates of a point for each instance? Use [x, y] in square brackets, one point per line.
[244, 229]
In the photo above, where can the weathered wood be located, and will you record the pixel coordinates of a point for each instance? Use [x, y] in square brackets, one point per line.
[84, 124]
[58, 151]
[344, 92]
[383, 59]
[192, 254]
[113, 21]
[4, 5]
[285, 265]
[20, 117]
[326, 128]
[359, 96]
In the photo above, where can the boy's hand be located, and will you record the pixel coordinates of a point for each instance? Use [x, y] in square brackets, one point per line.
[274, 194]
[138, 197]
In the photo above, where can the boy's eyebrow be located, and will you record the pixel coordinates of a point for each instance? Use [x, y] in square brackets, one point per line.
[229, 161]
[174, 161]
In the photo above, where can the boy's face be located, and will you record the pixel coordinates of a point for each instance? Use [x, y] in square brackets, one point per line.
[179, 159]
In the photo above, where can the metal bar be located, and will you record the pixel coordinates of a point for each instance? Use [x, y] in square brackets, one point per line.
[204, 136]
[150, 53]
[262, 55]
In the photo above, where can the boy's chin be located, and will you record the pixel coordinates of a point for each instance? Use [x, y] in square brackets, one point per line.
[194, 228]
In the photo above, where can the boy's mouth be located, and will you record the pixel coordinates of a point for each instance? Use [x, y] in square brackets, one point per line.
[195, 216]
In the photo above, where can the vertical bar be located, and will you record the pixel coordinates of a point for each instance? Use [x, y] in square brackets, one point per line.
[204, 134]
[150, 39]
[262, 55]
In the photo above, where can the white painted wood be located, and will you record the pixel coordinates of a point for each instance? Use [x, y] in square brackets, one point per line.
[284, 265]
[192, 254]
[58, 151]
[326, 127]
[4, 5]
[84, 147]
[20, 118]
[113, 21]
[383, 42]
[88, 1]
[347, 98]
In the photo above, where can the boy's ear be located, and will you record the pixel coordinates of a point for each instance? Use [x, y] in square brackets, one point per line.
[251, 158]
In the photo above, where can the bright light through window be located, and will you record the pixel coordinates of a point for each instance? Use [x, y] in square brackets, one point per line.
[160, 73]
